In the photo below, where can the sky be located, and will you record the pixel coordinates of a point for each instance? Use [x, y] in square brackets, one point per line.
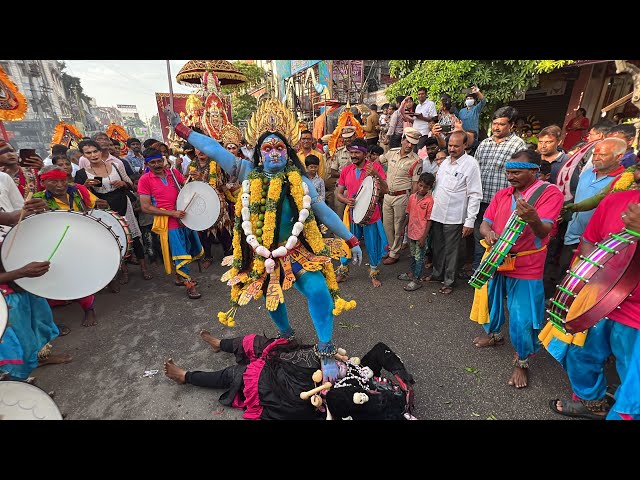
[129, 82]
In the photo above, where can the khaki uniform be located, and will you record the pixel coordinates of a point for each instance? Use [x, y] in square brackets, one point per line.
[341, 158]
[402, 171]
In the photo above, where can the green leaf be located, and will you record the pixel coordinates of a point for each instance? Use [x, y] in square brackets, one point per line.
[474, 414]
[491, 417]
[471, 370]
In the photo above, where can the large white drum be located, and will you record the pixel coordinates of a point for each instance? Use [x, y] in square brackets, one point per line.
[85, 261]
[4, 315]
[366, 201]
[119, 226]
[23, 401]
[203, 205]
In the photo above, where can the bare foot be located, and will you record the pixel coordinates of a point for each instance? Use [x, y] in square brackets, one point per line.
[89, 318]
[55, 358]
[341, 278]
[211, 340]
[174, 372]
[485, 340]
[376, 282]
[518, 377]
[207, 263]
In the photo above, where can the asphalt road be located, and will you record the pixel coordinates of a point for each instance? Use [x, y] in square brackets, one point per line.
[149, 321]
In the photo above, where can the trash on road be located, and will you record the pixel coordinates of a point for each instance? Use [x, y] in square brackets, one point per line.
[150, 373]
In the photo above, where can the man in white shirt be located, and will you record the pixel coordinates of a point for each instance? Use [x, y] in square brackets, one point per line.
[11, 201]
[425, 112]
[456, 202]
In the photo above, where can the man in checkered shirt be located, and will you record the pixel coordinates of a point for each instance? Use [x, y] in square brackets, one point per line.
[491, 154]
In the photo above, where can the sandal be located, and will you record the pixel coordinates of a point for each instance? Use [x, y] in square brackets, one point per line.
[405, 277]
[192, 293]
[412, 286]
[446, 290]
[575, 409]
[182, 283]
[62, 330]
[432, 280]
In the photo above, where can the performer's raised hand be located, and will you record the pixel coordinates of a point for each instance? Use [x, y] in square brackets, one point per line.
[172, 117]
[356, 252]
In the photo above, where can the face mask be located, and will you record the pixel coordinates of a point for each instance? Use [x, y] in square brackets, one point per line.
[469, 102]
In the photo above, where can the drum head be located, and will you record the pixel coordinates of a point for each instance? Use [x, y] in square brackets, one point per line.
[363, 200]
[86, 260]
[4, 315]
[107, 217]
[607, 288]
[23, 401]
[204, 210]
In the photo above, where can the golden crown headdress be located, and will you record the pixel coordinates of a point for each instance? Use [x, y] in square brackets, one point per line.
[273, 116]
[230, 134]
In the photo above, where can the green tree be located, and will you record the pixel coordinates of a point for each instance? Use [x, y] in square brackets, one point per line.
[72, 85]
[242, 106]
[255, 77]
[134, 122]
[499, 80]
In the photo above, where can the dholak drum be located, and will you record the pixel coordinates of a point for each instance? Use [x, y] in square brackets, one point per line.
[4, 315]
[366, 201]
[203, 205]
[84, 252]
[597, 284]
[23, 401]
[119, 226]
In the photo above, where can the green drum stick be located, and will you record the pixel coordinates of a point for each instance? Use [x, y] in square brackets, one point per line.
[58, 244]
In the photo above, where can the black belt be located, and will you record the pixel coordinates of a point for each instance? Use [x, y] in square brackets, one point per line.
[399, 192]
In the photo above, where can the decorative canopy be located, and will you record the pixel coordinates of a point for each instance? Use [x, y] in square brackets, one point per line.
[192, 72]
[66, 134]
[13, 105]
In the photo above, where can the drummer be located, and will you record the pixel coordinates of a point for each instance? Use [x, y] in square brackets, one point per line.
[206, 170]
[521, 285]
[159, 189]
[348, 185]
[60, 195]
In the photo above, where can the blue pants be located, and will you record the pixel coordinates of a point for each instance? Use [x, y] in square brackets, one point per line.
[525, 301]
[31, 328]
[185, 247]
[417, 257]
[585, 365]
[375, 241]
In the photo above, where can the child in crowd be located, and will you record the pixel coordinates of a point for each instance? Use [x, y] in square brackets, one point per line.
[313, 164]
[418, 221]
[376, 154]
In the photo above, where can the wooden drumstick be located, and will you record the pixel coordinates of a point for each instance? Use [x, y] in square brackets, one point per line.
[190, 200]
[310, 393]
[15, 234]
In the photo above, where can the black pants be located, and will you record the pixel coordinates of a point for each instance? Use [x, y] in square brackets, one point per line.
[479, 249]
[372, 141]
[138, 249]
[218, 379]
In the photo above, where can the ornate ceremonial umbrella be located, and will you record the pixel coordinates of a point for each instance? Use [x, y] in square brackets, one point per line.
[192, 72]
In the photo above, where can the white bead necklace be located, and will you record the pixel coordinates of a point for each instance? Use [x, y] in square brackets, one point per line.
[283, 250]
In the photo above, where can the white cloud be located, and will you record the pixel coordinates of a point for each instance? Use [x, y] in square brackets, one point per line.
[129, 82]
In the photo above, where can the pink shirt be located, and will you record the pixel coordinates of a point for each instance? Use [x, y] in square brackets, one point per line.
[352, 182]
[163, 192]
[419, 214]
[607, 219]
[548, 205]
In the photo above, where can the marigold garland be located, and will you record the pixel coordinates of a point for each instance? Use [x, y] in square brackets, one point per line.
[212, 172]
[311, 233]
[624, 182]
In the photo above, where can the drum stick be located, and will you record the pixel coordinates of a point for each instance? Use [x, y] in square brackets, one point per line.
[190, 200]
[15, 234]
[58, 244]
[310, 393]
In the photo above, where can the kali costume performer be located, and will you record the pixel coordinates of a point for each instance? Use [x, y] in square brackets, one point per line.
[270, 375]
[617, 334]
[59, 195]
[158, 190]
[271, 250]
[531, 206]
[351, 177]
